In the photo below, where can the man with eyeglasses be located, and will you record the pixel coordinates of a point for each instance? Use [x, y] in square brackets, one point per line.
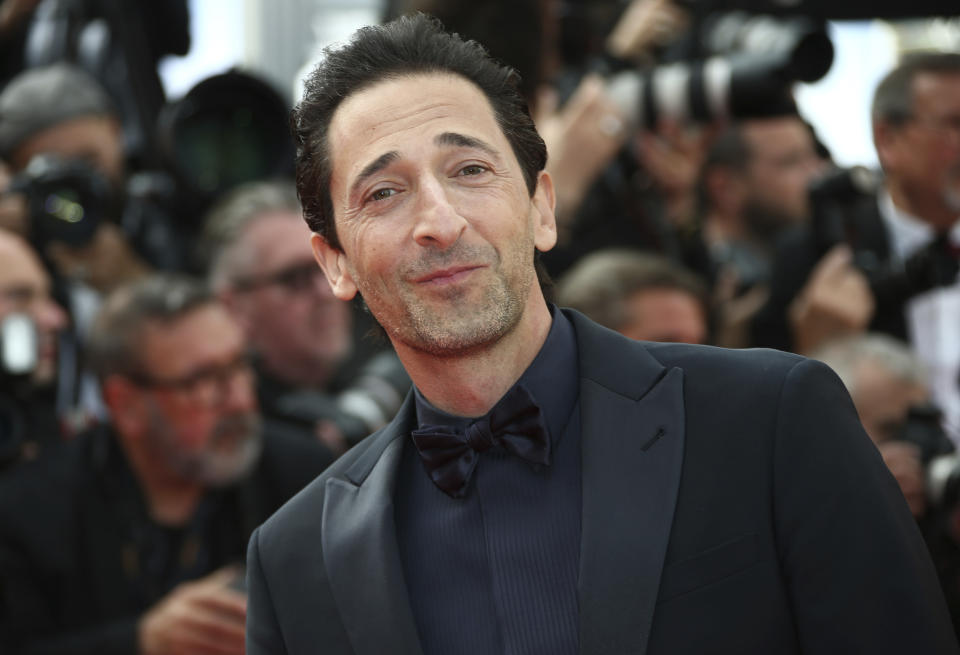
[313, 378]
[132, 539]
[896, 271]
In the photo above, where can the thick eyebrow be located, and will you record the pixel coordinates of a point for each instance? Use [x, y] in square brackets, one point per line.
[464, 141]
[445, 139]
[373, 168]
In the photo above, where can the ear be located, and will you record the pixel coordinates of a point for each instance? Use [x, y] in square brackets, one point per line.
[333, 261]
[125, 401]
[545, 220]
[885, 141]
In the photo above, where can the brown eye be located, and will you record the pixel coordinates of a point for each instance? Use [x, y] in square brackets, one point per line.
[382, 194]
[473, 169]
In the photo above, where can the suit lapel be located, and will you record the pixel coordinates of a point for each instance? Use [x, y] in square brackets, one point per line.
[632, 437]
[360, 549]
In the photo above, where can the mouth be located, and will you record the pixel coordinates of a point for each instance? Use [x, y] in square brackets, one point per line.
[448, 275]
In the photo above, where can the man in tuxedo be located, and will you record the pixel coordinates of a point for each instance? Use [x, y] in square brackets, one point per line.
[550, 486]
[895, 270]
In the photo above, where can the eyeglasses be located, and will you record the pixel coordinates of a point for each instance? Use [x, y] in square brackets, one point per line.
[208, 386]
[296, 278]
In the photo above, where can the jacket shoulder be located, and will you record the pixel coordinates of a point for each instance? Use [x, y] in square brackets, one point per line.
[696, 359]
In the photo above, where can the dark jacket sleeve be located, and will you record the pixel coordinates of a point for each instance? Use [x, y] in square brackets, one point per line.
[858, 573]
[795, 259]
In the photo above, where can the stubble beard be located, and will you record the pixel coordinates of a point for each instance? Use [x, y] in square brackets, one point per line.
[458, 323]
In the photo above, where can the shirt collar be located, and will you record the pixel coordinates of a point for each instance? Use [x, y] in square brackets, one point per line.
[553, 379]
[908, 233]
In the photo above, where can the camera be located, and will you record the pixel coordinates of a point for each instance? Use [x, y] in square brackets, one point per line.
[743, 66]
[838, 200]
[228, 129]
[67, 200]
[367, 405]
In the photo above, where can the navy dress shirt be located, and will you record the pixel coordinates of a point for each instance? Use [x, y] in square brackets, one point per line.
[496, 570]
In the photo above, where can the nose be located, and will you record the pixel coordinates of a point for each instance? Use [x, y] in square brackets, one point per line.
[439, 225]
[239, 393]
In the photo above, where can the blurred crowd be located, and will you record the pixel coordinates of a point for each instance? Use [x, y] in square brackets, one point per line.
[174, 366]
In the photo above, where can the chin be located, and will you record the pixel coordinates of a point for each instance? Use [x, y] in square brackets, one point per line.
[224, 469]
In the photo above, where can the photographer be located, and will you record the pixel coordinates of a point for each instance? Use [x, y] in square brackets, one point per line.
[640, 295]
[314, 376]
[57, 122]
[129, 539]
[30, 322]
[888, 386]
[888, 264]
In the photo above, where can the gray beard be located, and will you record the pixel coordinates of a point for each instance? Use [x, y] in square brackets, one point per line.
[213, 467]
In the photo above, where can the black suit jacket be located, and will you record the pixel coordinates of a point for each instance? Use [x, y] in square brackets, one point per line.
[731, 504]
[63, 586]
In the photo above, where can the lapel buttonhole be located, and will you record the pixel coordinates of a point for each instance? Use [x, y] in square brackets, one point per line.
[660, 432]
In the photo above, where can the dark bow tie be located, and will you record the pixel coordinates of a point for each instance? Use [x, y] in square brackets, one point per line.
[450, 454]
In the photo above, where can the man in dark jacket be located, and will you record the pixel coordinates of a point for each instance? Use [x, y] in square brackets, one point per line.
[551, 486]
[131, 540]
[886, 261]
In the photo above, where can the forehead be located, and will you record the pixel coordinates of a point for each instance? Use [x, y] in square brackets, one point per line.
[394, 114]
[73, 138]
[653, 302]
[278, 236]
[775, 134]
[937, 91]
[206, 335]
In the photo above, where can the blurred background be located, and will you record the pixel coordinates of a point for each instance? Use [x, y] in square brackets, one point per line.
[739, 173]
[275, 40]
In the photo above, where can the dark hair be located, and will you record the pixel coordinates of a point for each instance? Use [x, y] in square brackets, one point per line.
[518, 42]
[113, 344]
[729, 150]
[600, 284]
[893, 99]
[407, 46]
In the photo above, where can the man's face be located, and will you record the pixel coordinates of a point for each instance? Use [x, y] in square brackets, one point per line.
[665, 315]
[300, 330]
[199, 410]
[922, 156]
[94, 140]
[25, 288]
[437, 227]
[782, 164]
